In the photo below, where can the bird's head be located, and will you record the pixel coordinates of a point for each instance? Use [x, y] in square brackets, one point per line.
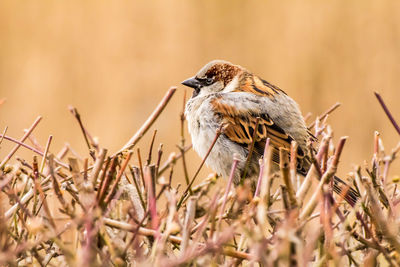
[214, 77]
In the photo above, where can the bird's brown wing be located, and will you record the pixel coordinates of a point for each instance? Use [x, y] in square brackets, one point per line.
[239, 127]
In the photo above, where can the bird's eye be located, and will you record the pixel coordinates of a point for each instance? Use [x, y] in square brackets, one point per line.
[209, 81]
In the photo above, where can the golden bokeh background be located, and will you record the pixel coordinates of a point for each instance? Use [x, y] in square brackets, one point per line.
[114, 60]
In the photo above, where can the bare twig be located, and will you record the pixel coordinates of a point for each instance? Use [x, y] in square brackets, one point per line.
[174, 239]
[228, 187]
[97, 166]
[34, 150]
[85, 133]
[284, 166]
[46, 150]
[326, 113]
[146, 126]
[309, 208]
[249, 156]
[217, 134]
[4, 133]
[151, 148]
[24, 137]
[190, 212]
[388, 114]
[172, 159]
[118, 178]
[263, 162]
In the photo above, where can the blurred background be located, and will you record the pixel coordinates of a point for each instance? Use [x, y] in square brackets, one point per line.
[114, 60]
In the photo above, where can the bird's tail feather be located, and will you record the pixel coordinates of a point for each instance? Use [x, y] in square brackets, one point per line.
[344, 190]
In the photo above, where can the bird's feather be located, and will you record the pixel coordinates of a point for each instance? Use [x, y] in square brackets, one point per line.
[239, 127]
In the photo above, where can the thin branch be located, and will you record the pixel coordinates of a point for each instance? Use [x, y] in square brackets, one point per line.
[262, 166]
[249, 156]
[228, 187]
[217, 134]
[118, 178]
[77, 116]
[392, 120]
[151, 148]
[172, 238]
[172, 159]
[326, 113]
[4, 133]
[34, 150]
[24, 137]
[309, 208]
[146, 126]
[42, 164]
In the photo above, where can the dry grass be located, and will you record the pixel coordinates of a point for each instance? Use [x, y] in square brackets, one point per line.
[102, 210]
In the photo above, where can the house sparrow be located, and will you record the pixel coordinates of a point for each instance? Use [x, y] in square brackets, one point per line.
[229, 95]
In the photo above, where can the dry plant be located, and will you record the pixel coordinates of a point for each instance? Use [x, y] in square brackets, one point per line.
[104, 211]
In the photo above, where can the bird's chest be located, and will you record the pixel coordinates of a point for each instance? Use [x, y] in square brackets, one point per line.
[202, 124]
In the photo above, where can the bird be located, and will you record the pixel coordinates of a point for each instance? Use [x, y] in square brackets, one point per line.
[246, 106]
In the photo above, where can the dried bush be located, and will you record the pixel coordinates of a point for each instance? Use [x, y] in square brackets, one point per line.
[103, 211]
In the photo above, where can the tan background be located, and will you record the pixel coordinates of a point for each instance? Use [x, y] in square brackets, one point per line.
[114, 60]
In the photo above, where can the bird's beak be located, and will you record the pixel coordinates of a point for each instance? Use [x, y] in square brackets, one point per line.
[192, 82]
